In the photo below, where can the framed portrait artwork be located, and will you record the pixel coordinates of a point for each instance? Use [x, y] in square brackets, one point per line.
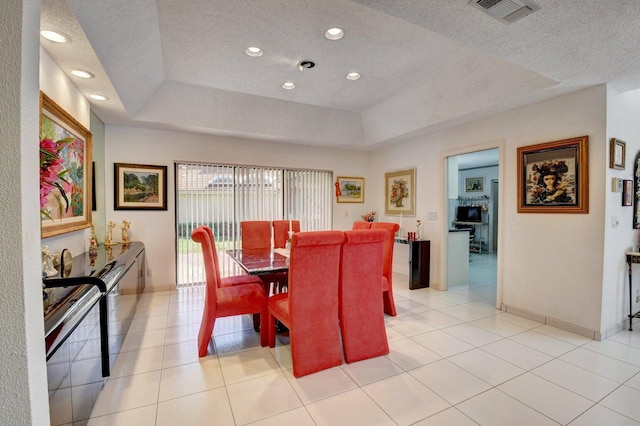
[617, 153]
[140, 187]
[350, 189]
[400, 193]
[65, 171]
[553, 177]
[474, 184]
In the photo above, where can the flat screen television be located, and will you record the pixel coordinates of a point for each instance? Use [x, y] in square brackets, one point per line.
[469, 214]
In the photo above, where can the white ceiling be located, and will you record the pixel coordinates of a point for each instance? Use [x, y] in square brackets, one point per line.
[426, 64]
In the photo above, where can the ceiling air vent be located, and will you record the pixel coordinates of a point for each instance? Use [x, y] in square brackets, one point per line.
[507, 11]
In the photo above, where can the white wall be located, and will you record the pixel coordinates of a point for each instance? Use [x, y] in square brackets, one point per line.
[622, 123]
[23, 383]
[551, 264]
[157, 228]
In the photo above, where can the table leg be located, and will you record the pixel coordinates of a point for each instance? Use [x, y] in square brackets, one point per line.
[629, 263]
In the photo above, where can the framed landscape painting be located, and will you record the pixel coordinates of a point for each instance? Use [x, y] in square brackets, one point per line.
[553, 177]
[140, 187]
[400, 193]
[65, 171]
[350, 189]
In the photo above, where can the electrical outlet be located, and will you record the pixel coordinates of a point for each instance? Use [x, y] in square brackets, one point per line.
[149, 272]
[637, 299]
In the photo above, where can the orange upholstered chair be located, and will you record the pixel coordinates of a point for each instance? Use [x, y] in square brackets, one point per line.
[360, 309]
[310, 309]
[361, 225]
[281, 231]
[255, 234]
[226, 301]
[231, 280]
[387, 266]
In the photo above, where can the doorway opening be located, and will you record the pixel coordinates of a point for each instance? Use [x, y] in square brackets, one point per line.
[473, 189]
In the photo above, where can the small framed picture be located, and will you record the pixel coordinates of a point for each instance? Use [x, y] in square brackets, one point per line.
[350, 189]
[474, 184]
[617, 152]
[400, 193]
[627, 193]
[140, 187]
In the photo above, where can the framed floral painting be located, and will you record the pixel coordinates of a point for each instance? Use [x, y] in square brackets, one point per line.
[65, 171]
[400, 193]
[553, 177]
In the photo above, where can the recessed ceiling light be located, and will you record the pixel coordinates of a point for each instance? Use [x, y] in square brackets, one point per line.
[288, 85]
[98, 97]
[334, 33]
[82, 73]
[353, 76]
[55, 37]
[254, 51]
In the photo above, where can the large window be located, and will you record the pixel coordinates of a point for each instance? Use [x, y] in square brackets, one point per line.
[221, 196]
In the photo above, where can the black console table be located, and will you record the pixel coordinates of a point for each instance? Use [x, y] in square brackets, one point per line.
[632, 257]
[68, 300]
[419, 262]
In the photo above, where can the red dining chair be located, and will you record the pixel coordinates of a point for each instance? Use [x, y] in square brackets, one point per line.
[310, 309]
[255, 234]
[226, 301]
[387, 266]
[229, 280]
[281, 231]
[233, 279]
[361, 225]
[360, 305]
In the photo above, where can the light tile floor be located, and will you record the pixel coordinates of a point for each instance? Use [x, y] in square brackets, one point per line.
[455, 360]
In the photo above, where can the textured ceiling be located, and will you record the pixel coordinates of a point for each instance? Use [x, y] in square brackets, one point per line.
[426, 64]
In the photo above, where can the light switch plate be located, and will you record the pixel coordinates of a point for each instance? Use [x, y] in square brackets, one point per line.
[616, 185]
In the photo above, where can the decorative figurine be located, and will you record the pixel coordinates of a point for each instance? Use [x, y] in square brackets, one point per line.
[47, 263]
[93, 246]
[108, 238]
[125, 235]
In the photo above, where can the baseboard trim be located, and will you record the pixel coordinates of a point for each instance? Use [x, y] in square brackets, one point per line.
[554, 322]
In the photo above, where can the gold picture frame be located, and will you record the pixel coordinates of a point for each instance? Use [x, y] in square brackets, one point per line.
[65, 171]
[350, 189]
[400, 193]
[553, 177]
[617, 154]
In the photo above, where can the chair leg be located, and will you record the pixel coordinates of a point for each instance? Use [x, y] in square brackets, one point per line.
[389, 304]
[204, 337]
[271, 330]
[264, 328]
[257, 322]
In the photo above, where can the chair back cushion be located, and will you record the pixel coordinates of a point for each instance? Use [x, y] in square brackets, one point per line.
[313, 300]
[256, 234]
[361, 225]
[392, 228]
[281, 231]
[360, 302]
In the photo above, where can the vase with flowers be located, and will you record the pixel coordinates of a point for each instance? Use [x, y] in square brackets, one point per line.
[418, 225]
[369, 217]
[53, 176]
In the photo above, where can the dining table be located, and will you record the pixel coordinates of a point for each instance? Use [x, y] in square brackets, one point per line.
[261, 261]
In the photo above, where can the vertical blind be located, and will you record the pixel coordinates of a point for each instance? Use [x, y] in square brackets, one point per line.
[221, 196]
